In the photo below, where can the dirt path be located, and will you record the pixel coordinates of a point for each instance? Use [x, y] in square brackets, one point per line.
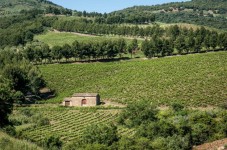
[90, 35]
[216, 145]
[80, 34]
[108, 103]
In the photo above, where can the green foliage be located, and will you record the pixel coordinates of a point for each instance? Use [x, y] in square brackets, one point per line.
[52, 143]
[201, 12]
[100, 133]
[178, 130]
[6, 100]
[95, 146]
[43, 122]
[10, 130]
[10, 143]
[137, 113]
[13, 7]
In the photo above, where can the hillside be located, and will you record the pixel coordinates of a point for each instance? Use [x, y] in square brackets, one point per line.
[211, 13]
[10, 143]
[75, 120]
[193, 80]
[8, 7]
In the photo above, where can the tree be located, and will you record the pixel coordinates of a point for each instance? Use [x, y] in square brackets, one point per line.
[190, 43]
[67, 51]
[24, 77]
[207, 42]
[145, 47]
[45, 52]
[213, 40]
[6, 100]
[174, 31]
[158, 46]
[180, 44]
[198, 43]
[56, 53]
[169, 46]
[100, 133]
[137, 113]
[121, 46]
[75, 49]
[132, 47]
[29, 53]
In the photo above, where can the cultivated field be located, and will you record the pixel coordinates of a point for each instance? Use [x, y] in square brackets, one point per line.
[193, 80]
[53, 38]
[66, 123]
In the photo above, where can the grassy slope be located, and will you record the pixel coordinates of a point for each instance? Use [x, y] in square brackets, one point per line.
[9, 143]
[194, 80]
[61, 38]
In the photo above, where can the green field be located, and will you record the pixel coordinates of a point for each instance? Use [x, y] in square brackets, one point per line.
[61, 38]
[66, 123]
[193, 80]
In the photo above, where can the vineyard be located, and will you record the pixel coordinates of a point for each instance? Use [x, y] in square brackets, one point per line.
[192, 80]
[68, 124]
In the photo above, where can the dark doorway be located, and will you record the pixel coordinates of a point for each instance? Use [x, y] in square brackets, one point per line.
[67, 103]
[84, 102]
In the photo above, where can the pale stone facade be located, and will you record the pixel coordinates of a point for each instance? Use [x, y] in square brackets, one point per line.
[82, 99]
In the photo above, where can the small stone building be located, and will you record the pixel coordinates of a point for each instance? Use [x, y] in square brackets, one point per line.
[82, 99]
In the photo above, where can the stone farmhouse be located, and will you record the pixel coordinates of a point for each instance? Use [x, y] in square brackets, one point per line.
[82, 99]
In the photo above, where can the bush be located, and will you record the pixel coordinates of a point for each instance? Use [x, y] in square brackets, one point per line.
[138, 113]
[100, 133]
[10, 130]
[27, 112]
[52, 142]
[177, 107]
[43, 122]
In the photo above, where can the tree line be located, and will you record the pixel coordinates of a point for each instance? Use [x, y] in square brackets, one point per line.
[184, 42]
[89, 27]
[180, 41]
[39, 52]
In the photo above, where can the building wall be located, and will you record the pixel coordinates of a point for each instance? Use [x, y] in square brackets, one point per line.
[90, 101]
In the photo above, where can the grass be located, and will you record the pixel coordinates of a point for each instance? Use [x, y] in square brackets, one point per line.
[10, 143]
[60, 38]
[193, 80]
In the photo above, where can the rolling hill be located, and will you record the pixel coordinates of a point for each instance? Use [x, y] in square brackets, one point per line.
[8, 7]
[211, 13]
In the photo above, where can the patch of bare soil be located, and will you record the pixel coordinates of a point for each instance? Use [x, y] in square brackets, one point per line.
[107, 103]
[76, 33]
[216, 145]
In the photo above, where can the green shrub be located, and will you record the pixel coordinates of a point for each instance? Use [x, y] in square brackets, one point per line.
[10, 130]
[52, 142]
[43, 122]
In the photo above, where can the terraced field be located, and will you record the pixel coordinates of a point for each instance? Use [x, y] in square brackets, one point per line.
[193, 80]
[69, 124]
